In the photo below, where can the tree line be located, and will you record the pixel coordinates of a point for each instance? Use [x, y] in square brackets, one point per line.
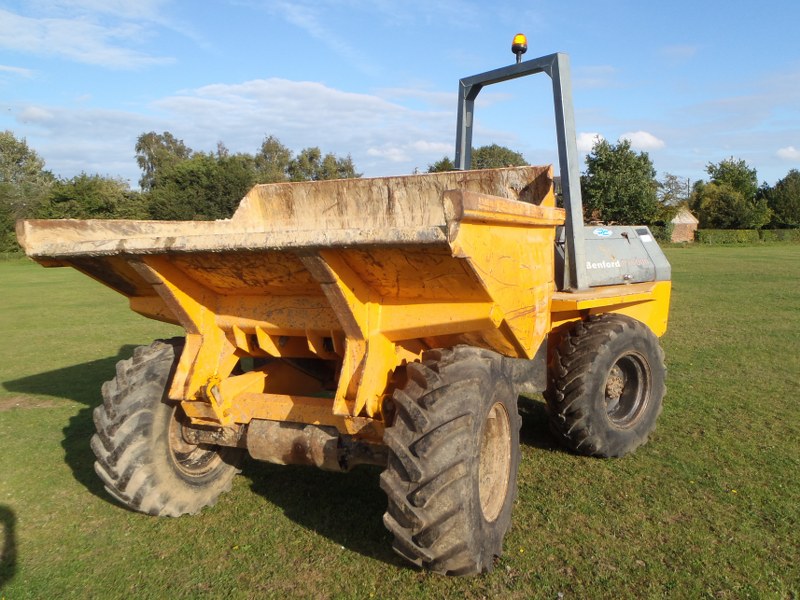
[618, 186]
[177, 183]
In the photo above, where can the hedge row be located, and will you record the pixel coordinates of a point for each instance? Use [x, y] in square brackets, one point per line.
[745, 236]
[779, 235]
[662, 233]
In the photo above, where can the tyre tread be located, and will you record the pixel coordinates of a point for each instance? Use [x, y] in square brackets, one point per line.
[121, 444]
[576, 425]
[427, 480]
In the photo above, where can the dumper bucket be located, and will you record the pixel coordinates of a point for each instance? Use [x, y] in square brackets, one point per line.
[333, 283]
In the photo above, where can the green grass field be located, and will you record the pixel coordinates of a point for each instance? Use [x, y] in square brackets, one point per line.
[709, 508]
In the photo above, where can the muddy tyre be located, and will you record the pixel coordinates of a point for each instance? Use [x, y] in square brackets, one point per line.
[142, 457]
[453, 458]
[606, 386]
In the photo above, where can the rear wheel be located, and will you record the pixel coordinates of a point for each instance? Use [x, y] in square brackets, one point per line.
[453, 458]
[142, 456]
[607, 385]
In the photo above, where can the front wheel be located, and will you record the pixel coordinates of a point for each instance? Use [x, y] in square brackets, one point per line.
[453, 458]
[142, 456]
[606, 386]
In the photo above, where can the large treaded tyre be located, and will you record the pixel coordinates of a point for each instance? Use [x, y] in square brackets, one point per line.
[453, 457]
[142, 457]
[606, 386]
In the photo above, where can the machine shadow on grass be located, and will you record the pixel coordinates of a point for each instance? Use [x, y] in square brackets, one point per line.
[535, 431]
[79, 383]
[8, 545]
[346, 508]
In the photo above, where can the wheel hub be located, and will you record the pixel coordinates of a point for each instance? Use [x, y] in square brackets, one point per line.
[191, 459]
[615, 384]
[627, 390]
[495, 462]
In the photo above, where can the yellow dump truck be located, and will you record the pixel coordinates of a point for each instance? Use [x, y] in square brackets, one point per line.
[390, 321]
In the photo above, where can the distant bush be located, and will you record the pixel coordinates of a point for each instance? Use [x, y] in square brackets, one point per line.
[722, 237]
[662, 233]
[726, 236]
[780, 235]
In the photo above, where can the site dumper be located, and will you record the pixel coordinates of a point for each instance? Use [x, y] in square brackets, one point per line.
[390, 321]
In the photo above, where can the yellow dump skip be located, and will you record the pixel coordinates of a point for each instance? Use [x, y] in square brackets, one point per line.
[361, 275]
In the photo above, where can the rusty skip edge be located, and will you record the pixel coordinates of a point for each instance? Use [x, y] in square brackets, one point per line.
[44, 241]
[48, 239]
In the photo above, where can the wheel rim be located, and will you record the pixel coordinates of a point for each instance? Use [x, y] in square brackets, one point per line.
[191, 460]
[495, 462]
[627, 390]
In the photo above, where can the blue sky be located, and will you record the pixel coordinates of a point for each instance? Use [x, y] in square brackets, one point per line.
[688, 82]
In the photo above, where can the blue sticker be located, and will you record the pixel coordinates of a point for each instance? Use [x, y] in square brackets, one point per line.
[602, 232]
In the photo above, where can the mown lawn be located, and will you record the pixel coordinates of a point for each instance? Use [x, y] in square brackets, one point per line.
[709, 508]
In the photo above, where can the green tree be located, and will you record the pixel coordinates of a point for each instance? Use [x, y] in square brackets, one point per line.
[737, 175]
[186, 185]
[442, 165]
[156, 152]
[24, 183]
[19, 164]
[92, 197]
[311, 165]
[305, 165]
[731, 200]
[483, 157]
[619, 185]
[8, 240]
[494, 157]
[721, 206]
[222, 150]
[784, 200]
[334, 167]
[203, 187]
[673, 190]
[272, 161]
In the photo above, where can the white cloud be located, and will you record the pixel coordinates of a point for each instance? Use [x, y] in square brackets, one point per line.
[35, 115]
[81, 38]
[789, 153]
[642, 140]
[433, 98]
[310, 18]
[310, 108]
[379, 133]
[410, 13]
[412, 151]
[423, 146]
[383, 136]
[390, 153]
[140, 9]
[587, 140]
[89, 140]
[753, 120]
[27, 73]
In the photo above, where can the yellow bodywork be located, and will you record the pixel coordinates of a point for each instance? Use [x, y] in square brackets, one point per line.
[360, 276]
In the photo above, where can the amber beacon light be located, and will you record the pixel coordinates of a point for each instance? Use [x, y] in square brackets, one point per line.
[519, 46]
